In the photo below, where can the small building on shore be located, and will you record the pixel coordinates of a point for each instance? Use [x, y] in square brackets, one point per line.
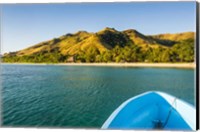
[71, 59]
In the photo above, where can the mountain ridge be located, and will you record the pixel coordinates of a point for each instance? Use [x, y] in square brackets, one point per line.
[102, 41]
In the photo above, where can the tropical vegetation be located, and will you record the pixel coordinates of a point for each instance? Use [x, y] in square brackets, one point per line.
[109, 45]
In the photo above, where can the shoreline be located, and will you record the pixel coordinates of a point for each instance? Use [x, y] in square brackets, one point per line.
[159, 65]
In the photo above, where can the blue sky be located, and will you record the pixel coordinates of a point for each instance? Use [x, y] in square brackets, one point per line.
[24, 25]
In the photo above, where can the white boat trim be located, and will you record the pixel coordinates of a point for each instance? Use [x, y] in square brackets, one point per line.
[189, 114]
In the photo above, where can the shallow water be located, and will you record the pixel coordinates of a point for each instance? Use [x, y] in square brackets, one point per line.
[81, 96]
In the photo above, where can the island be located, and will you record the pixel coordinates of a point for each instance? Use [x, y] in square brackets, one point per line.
[111, 47]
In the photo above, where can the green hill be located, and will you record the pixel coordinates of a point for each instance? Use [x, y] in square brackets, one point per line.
[109, 45]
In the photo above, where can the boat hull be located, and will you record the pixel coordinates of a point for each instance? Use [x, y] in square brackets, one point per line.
[153, 110]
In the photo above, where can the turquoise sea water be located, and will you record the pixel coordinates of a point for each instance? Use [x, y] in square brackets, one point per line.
[81, 96]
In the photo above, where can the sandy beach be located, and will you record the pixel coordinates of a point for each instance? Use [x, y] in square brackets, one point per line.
[175, 65]
[159, 65]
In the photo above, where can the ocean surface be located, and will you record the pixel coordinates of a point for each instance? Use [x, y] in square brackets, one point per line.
[81, 96]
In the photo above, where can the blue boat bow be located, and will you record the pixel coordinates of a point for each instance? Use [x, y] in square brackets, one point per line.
[153, 110]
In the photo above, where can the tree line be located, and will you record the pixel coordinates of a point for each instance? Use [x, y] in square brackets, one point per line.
[180, 52]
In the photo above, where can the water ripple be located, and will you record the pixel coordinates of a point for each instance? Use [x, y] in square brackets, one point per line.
[81, 96]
